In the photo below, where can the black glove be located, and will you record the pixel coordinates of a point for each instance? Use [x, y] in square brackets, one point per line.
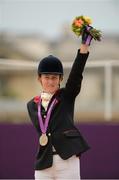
[86, 36]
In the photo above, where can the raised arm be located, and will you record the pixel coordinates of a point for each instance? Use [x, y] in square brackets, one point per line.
[73, 84]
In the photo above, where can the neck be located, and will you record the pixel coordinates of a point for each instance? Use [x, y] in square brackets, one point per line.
[46, 95]
[45, 92]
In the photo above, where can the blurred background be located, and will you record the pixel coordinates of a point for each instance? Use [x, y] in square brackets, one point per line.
[32, 29]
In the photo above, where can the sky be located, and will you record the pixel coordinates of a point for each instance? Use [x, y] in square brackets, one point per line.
[48, 16]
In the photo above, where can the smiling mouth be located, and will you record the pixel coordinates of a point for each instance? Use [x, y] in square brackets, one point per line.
[51, 86]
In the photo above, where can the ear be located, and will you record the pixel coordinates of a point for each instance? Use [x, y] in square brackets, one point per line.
[61, 78]
[39, 79]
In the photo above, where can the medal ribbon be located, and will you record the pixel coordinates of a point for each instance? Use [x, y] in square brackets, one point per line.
[43, 126]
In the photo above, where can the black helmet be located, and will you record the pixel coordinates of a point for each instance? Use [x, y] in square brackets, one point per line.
[50, 65]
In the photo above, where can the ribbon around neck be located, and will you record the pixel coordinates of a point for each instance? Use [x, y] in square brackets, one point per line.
[44, 126]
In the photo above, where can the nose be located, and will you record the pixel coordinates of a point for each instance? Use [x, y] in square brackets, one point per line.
[50, 82]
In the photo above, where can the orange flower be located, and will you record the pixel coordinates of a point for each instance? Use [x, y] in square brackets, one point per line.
[78, 22]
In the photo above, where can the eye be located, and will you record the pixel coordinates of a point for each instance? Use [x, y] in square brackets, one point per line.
[47, 77]
[54, 77]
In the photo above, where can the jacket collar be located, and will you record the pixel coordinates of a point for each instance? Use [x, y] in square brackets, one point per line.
[37, 99]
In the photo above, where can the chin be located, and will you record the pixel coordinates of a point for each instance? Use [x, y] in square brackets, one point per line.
[49, 91]
[52, 91]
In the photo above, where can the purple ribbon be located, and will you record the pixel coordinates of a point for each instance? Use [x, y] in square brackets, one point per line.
[88, 40]
[43, 126]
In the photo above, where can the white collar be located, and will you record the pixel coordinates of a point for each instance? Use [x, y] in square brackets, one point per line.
[45, 97]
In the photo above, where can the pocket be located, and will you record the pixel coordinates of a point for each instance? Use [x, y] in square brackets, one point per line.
[71, 133]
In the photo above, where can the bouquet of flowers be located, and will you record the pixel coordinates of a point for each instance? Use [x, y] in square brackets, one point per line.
[81, 24]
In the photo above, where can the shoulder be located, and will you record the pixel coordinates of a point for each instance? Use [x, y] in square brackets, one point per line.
[33, 102]
[66, 96]
[30, 102]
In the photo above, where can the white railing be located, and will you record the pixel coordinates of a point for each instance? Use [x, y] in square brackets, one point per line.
[13, 65]
[108, 65]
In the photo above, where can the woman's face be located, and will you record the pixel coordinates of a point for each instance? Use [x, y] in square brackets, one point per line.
[50, 82]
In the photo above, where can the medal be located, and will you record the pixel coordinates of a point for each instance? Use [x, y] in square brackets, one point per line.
[43, 140]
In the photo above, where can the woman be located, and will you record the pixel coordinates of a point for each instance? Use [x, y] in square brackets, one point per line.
[60, 142]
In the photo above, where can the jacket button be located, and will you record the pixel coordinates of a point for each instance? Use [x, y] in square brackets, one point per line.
[49, 134]
[44, 116]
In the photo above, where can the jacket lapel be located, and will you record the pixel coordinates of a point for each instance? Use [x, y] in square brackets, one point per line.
[35, 104]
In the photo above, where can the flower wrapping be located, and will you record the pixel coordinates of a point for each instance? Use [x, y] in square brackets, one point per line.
[81, 23]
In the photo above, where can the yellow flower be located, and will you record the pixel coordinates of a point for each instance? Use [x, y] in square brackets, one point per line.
[87, 19]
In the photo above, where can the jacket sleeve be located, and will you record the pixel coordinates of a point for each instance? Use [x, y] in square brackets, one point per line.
[73, 84]
[32, 111]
